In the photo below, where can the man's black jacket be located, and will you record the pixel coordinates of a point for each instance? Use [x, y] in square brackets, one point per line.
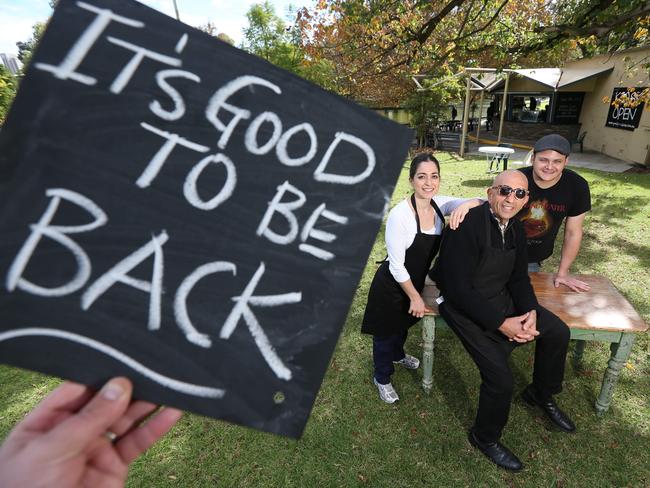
[459, 258]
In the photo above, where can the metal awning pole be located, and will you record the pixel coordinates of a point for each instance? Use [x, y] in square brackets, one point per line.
[465, 116]
[480, 116]
[178, 17]
[503, 108]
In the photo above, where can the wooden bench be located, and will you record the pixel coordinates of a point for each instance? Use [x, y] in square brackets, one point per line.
[450, 141]
[602, 314]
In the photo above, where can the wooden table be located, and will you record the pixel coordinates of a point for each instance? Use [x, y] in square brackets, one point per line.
[602, 314]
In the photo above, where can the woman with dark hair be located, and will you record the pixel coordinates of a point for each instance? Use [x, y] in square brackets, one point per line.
[413, 234]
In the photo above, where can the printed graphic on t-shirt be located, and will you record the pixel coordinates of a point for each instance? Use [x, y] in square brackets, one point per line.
[538, 220]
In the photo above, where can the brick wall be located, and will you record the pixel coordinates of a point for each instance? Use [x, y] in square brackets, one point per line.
[532, 132]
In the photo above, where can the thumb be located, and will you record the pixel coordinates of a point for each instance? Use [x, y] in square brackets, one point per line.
[76, 432]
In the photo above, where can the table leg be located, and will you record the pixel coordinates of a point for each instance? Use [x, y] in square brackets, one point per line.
[620, 354]
[428, 337]
[577, 353]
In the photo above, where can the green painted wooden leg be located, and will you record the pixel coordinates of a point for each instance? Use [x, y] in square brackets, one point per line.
[577, 354]
[428, 336]
[620, 354]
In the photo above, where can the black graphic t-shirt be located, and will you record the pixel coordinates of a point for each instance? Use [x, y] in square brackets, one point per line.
[546, 209]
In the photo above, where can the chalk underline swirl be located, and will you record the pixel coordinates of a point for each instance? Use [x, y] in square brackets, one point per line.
[180, 386]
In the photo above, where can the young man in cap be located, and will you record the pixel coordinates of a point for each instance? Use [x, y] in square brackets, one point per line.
[556, 193]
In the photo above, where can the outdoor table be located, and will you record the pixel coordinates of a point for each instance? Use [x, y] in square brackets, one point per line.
[601, 314]
[452, 125]
[496, 153]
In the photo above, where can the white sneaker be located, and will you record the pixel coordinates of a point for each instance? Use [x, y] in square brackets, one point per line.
[409, 362]
[386, 392]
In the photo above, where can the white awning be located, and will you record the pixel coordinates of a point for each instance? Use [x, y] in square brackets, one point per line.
[574, 75]
[546, 76]
[556, 78]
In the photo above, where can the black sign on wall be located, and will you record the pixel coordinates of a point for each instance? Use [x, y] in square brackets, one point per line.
[625, 109]
[177, 211]
[567, 107]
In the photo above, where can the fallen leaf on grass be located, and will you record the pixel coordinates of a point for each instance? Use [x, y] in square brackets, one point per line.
[585, 372]
[362, 478]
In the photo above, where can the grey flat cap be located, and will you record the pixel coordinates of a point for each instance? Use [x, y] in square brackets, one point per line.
[553, 142]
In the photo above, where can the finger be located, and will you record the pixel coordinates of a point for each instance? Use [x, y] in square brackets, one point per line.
[526, 337]
[95, 417]
[581, 286]
[62, 402]
[134, 415]
[139, 440]
[523, 318]
[574, 285]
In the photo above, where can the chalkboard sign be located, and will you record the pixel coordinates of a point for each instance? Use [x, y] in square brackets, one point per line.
[177, 211]
[567, 108]
[625, 108]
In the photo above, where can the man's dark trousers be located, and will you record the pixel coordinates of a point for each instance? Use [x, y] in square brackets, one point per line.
[490, 352]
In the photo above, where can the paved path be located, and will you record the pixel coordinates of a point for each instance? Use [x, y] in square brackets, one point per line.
[591, 160]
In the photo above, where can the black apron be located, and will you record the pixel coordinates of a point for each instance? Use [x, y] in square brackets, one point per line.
[492, 274]
[387, 308]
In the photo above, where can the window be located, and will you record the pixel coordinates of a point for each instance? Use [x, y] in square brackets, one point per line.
[529, 108]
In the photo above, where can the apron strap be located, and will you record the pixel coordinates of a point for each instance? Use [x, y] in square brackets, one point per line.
[438, 211]
[415, 209]
[417, 217]
[488, 223]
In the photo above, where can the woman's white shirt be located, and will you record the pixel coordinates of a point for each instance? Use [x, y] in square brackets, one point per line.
[401, 229]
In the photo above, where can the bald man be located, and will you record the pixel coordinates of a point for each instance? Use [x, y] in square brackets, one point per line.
[488, 301]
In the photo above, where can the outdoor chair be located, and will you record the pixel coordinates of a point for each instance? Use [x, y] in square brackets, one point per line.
[499, 158]
[580, 140]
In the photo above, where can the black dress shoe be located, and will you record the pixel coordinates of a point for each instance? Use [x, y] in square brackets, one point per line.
[552, 411]
[497, 453]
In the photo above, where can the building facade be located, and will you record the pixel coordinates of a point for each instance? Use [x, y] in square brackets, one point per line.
[10, 62]
[596, 99]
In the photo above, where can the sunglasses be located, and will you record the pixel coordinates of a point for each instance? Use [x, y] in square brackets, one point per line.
[505, 190]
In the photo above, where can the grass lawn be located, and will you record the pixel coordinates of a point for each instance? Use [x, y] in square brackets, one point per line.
[353, 439]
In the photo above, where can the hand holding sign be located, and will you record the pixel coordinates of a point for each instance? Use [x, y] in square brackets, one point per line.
[63, 440]
[179, 212]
